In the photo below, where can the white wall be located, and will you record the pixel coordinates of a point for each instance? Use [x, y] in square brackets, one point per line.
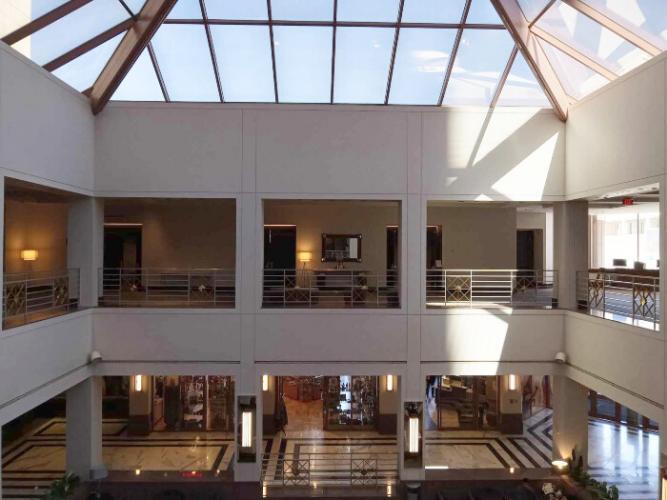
[616, 137]
[46, 127]
[207, 149]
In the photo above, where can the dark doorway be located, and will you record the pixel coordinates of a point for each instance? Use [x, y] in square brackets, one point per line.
[279, 247]
[434, 247]
[525, 249]
[392, 247]
[122, 247]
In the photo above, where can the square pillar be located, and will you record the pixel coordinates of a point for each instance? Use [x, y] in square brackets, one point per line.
[84, 429]
[570, 248]
[85, 246]
[570, 419]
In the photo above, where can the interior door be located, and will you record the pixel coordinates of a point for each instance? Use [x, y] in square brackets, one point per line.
[279, 247]
[122, 247]
[525, 249]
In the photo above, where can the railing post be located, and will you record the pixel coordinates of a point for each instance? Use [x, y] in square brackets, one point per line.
[189, 285]
[604, 295]
[284, 287]
[471, 290]
[512, 275]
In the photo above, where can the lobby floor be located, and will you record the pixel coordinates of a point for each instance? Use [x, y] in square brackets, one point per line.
[31, 463]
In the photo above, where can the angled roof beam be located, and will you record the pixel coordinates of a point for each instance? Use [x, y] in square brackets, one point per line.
[512, 15]
[43, 21]
[130, 48]
[88, 45]
[626, 33]
[544, 10]
[574, 53]
[455, 50]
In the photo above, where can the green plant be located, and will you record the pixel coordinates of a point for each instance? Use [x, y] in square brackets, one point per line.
[599, 489]
[62, 489]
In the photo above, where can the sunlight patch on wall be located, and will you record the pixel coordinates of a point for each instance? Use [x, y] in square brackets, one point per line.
[527, 180]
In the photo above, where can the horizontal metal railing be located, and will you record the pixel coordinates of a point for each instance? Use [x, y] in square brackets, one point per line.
[30, 297]
[330, 288]
[489, 287]
[621, 297]
[350, 469]
[124, 287]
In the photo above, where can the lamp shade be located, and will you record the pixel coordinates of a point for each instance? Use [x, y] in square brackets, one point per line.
[305, 256]
[29, 255]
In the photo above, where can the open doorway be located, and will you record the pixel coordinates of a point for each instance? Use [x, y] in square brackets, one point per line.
[280, 247]
[122, 246]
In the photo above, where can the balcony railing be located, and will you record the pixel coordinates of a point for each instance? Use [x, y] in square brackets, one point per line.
[628, 298]
[344, 288]
[122, 287]
[31, 297]
[330, 469]
[491, 287]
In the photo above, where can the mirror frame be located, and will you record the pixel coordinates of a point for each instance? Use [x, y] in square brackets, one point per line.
[348, 236]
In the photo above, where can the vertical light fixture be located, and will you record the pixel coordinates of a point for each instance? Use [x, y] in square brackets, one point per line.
[390, 383]
[413, 437]
[245, 441]
[246, 429]
[265, 383]
[511, 382]
[663, 488]
[138, 383]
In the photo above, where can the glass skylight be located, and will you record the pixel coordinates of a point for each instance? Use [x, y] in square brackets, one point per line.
[362, 64]
[141, 83]
[591, 39]
[422, 57]
[82, 72]
[184, 58]
[244, 59]
[521, 87]
[75, 28]
[479, 64]
[578, 80]
[433, 11]
[344, 51]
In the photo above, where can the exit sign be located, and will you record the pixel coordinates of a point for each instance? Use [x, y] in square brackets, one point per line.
[628, 201]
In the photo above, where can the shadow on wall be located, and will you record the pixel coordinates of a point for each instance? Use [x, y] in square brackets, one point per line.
[535, 144]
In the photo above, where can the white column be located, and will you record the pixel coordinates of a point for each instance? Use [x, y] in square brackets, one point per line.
[85, 246]
[663, 310]
[84, 429]
[570, 419]
[249, 271]
[570, 248]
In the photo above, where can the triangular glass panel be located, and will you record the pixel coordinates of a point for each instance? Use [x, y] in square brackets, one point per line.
[141, 83]
[522, 88]
[82, 72]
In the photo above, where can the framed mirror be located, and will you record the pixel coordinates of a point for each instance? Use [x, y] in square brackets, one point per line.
[341, 247]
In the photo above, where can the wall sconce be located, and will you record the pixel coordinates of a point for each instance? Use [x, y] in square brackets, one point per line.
[265, 383]
[246, 442]
[29, 255]
[390, 383]
[412, 429]
[304, 257]
[663, 488]
[138, 383]
[511, 382]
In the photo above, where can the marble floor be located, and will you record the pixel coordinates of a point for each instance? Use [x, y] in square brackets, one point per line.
[30, 464]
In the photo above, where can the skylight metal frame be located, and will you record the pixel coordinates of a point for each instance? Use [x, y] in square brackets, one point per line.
[140, 28]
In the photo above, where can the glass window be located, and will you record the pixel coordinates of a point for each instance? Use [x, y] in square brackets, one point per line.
[368, 10]
[422, 57]
[577, 79]
[244, 62]
[532, 8]
[141, 83]
[235, 9]
[135, 5]
[483, 12]
[521, 87]
[590, 38]
[302, 10]
[362, 64]
[82, 72]
[185, 62]
[186, 9]
[433, 11]
[303, 63]
[648, 16]
[480, 61]
[75, 28]
[38, 7]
